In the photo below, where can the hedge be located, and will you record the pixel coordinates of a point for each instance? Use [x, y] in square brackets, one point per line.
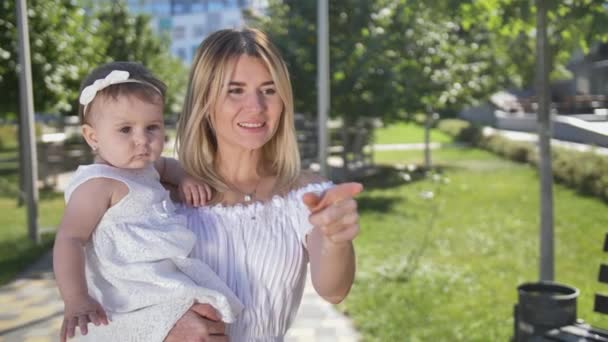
[586, 172]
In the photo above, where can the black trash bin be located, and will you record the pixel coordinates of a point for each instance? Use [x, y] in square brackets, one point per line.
[541, 307]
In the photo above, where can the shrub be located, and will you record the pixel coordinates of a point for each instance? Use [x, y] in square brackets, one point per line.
[8, 136]
[587, 172]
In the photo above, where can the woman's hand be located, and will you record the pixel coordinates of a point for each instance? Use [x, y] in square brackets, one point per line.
[199, 324]
[330, 249]
[334, 212]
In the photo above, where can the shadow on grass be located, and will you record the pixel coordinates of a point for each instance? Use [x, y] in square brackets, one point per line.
[377, 204]
[18, 254]
[8, 171]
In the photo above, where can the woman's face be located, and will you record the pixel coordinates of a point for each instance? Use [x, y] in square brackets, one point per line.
[249, 109]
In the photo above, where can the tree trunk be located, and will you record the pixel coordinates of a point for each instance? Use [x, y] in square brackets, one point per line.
[427, 139]
[544, 144]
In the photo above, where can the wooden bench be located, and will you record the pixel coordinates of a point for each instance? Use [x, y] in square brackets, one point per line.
[600, 304]
[353, 144]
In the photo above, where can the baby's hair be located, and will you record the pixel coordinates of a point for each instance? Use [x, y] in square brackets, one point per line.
[147, 90]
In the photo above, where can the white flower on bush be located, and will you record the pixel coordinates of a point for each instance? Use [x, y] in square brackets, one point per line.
[427, 194]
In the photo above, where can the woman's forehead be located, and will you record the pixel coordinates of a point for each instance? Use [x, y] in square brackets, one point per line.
[246, 69]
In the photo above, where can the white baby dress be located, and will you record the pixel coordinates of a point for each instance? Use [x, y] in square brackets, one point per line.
[137, 263]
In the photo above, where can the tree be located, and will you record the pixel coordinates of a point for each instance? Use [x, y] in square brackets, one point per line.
[130, 38]
[67, 42]
[573, 25]
[63, 49]
[357, 54]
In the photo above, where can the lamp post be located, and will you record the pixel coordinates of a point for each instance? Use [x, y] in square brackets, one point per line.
[27, 146]
[322, 81]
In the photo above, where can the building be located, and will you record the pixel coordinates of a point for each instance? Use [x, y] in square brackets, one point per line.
[187, 22]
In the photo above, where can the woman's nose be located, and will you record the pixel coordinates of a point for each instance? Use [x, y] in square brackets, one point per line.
[255, 102]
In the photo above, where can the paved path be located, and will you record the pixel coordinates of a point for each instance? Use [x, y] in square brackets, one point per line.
[31, 311]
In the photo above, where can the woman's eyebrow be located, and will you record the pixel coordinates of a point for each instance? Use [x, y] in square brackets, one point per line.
[242, 84]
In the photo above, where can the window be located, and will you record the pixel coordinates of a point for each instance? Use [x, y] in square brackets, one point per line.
[179, 32]
[198, 31]
[181, 53]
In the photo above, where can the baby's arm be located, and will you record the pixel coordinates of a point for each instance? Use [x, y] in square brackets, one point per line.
[191, 190]
[86, 206]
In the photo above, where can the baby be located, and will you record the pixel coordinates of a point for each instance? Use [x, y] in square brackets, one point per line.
[120, 248]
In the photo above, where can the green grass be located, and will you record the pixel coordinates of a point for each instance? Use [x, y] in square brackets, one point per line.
[455, 278]
[447, 155]
[407, 133]
[16, 250]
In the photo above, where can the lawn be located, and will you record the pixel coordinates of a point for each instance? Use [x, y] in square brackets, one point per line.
[445, 267]
[407, 133]
[16, 250]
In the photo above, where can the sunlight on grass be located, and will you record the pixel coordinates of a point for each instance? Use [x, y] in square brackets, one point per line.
[481, 246]
[407, 133]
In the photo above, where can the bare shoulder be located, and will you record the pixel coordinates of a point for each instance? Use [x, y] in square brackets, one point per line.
[307, 177]
[102, 188]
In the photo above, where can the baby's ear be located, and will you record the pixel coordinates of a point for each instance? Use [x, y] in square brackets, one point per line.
[89, 134]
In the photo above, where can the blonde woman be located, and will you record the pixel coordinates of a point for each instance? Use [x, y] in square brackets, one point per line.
[267, 219]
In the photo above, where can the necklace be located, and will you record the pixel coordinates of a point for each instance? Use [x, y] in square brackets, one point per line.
[247, 196]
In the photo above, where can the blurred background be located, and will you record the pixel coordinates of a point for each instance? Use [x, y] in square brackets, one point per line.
[433, 106]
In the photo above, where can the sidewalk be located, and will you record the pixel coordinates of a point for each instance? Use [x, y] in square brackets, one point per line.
[31, 311]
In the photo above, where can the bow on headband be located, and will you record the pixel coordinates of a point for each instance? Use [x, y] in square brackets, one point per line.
[114, 77]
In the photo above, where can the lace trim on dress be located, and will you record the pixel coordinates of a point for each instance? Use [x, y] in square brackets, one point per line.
[276, 200]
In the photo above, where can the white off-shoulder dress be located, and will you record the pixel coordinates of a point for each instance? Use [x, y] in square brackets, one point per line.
[258, 250]
[137, 263]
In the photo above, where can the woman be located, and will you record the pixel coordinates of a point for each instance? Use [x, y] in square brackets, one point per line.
[267, 219]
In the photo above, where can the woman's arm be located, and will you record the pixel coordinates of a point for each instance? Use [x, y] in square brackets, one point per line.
[332, 257]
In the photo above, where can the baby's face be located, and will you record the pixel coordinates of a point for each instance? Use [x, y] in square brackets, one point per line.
[130, 133]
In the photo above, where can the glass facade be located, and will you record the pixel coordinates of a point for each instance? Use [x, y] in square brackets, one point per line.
[177, 7]
[187, 22]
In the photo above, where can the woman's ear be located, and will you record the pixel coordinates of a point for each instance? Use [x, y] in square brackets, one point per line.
[90, 136]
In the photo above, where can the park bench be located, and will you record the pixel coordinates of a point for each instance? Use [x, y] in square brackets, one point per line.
[57, 157]
[547, 312]
[307, 137]
[353, 145]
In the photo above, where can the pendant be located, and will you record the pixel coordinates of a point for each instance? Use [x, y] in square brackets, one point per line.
[247, 198]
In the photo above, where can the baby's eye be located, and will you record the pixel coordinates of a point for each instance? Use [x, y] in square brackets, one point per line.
[153, 127]
[125, 130]
[236, 90]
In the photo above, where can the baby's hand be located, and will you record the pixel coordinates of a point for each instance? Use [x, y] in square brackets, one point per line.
[193, 192]
[80, 312]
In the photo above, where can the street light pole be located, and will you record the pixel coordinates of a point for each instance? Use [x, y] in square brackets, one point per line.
[27, 146]
[322, 81]
[544, 144]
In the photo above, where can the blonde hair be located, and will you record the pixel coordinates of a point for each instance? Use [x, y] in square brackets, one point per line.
[211, 68]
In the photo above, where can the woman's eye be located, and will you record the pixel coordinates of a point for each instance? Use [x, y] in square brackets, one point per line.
[236, 91]
[125, 130]
[269, 91]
